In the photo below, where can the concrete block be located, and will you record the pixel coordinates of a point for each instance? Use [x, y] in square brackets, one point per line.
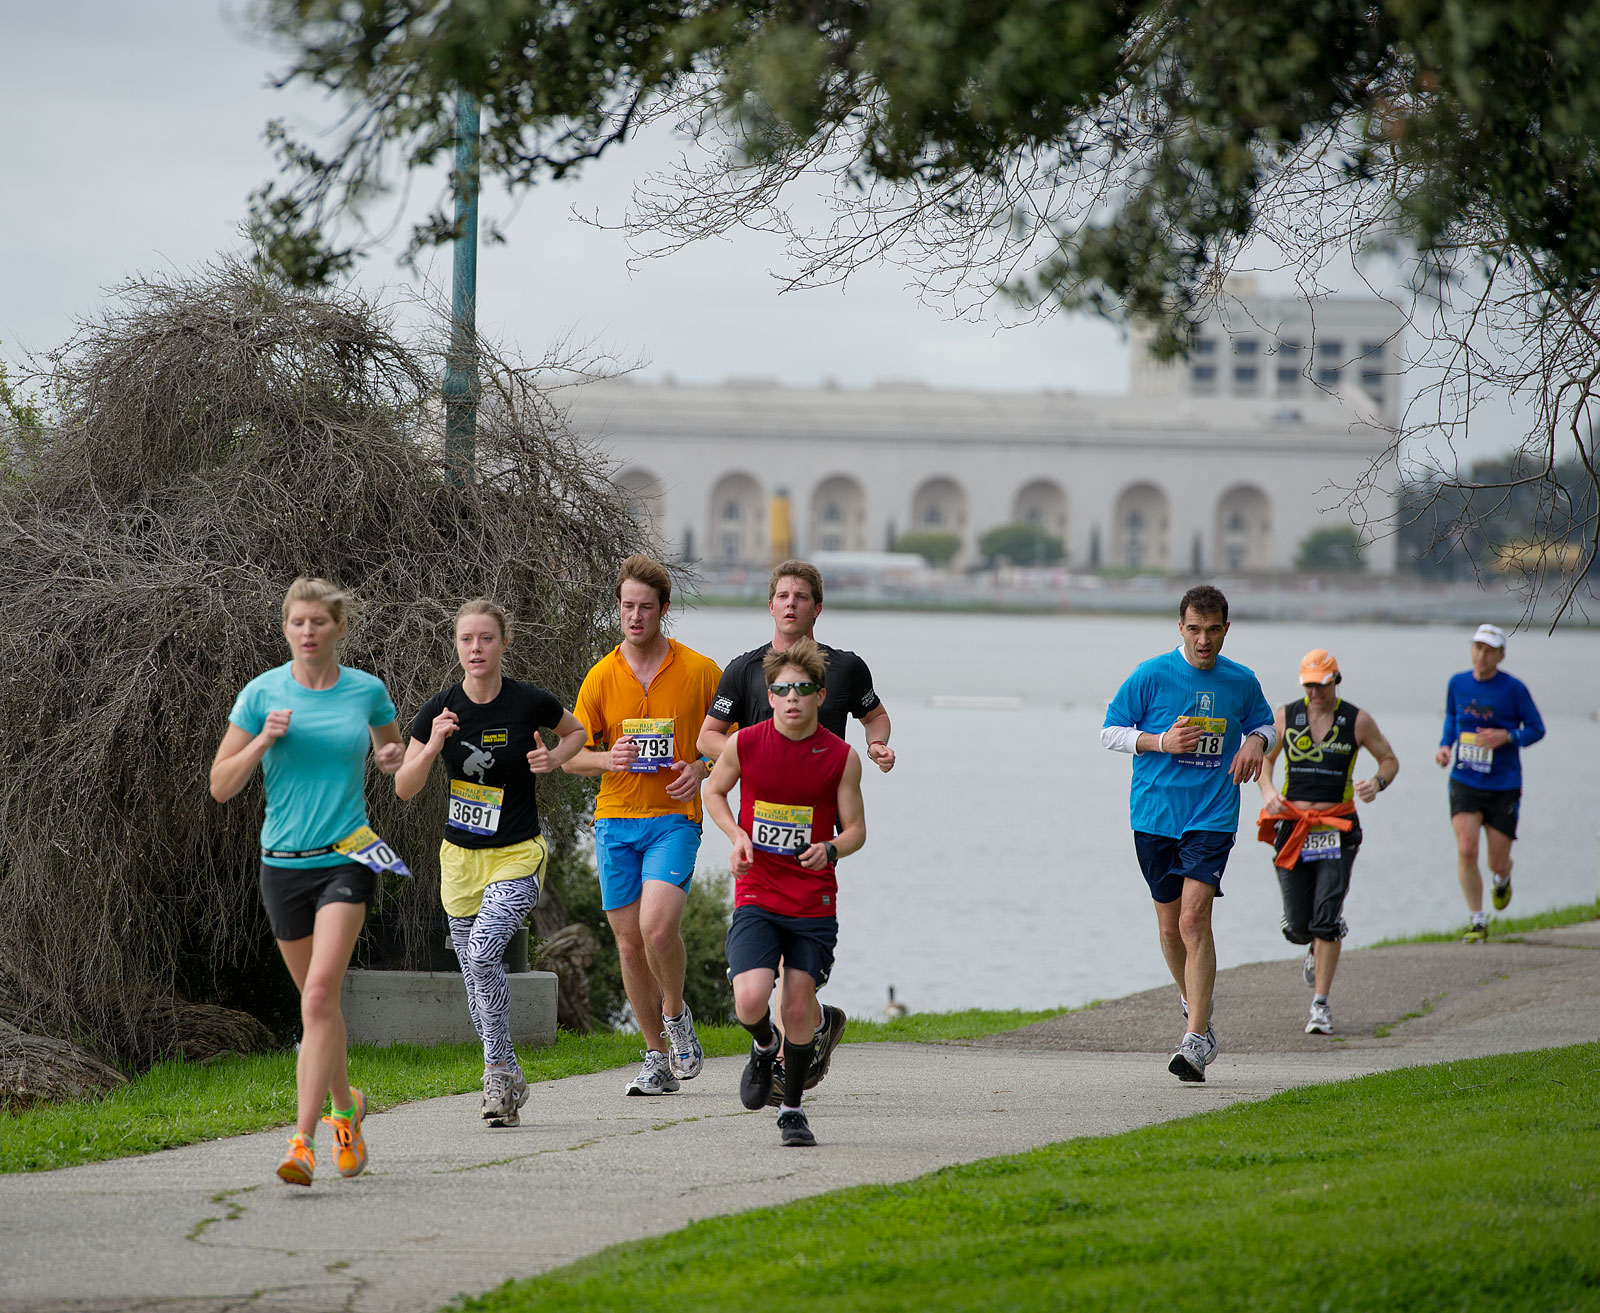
[430, 1007]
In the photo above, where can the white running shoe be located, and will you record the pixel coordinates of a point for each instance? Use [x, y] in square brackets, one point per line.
[1321, 1022]
[500, 1098]
[1189, 1062]
[655, 1077]
[684, 1054]
[1210, 1048]
[1308, 968]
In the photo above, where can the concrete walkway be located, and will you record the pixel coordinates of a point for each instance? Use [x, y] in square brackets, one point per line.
[450, 1206]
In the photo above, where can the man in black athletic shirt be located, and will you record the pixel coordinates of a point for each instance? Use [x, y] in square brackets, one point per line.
[794, 596]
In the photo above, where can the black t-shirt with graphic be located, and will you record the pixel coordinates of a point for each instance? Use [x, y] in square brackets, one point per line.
[742, 694]
[492, 799]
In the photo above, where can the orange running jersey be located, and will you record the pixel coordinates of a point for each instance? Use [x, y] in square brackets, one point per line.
[681, 692]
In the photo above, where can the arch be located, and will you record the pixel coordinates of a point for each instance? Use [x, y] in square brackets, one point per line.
[738, 522]
[1140, 532]
[1243, 530]
[644, 492]
[1042, 503]
[939, 506]
[838, 515]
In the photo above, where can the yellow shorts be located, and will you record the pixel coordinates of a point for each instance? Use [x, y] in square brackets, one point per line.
[464, 873]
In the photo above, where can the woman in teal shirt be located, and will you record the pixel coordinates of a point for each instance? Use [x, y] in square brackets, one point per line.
[308, 723]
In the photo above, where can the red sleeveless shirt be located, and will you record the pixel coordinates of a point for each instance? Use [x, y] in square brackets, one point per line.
[788, 798]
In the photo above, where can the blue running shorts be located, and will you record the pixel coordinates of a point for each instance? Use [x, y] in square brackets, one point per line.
[629, 850]
[1199, 855]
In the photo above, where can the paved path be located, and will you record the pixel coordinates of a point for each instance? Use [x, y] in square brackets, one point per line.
[451, 1206]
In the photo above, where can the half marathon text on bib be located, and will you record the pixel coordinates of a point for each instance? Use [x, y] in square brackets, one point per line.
[364, 846]
[653, 739]
[777, 828]
[474, 808]
[1321, 844]
[1473, 755]
[1207, 753]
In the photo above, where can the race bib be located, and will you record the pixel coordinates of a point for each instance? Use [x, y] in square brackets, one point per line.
[364, 846]
[653, 739]
[1322, 843]
[1207, 753]
[474, 808]
[1473, 755]
[776, 828]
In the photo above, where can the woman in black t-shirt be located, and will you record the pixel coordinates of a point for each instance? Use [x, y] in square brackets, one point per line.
[486, 728]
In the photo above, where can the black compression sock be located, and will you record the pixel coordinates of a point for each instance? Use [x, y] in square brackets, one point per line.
[761, 1031]
[796, 1067]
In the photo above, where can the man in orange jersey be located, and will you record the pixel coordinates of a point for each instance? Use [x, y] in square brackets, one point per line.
[642, 704]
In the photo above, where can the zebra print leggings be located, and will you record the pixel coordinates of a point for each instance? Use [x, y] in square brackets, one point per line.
[480, 943]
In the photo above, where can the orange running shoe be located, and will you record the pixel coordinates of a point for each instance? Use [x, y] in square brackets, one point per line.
[352, 1149]
[299, 1162]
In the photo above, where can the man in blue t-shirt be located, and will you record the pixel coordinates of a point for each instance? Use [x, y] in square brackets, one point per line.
[1182, 716]
[1488, 716]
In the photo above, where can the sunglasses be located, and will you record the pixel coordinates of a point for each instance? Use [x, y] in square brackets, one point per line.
[805, 689]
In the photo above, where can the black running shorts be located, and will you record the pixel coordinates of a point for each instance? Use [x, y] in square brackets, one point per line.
[759, 938]
[293, 894]
[1498, 807]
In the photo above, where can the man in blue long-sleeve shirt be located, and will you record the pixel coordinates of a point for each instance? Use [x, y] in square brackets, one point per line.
[1488, 716]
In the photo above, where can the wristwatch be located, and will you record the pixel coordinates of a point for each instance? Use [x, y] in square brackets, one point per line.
[833, 853]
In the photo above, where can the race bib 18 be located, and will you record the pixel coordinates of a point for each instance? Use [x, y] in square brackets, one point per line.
[364, 846]
[777, 828]
[474, 808]
[653, 739]
[1473, 755]
[1207, 753]
[1321, 843]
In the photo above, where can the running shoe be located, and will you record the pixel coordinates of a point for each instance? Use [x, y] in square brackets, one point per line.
[300, 1161]
[352, 1149]
[500, 1102]
[1308, 968]
[1321, 1022]
[776, 1096]
[755, 1085]
[684, 1054]
[794, 1130]
[1500, 895]
[828, 1037]
[655, 1077]
[1210, 1048]
[1477, 932]
[1189, 1062]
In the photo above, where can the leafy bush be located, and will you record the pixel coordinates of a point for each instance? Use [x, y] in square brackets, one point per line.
[934, 548]
[1021, 544]
[1336, 549]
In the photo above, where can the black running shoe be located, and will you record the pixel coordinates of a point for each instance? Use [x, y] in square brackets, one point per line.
[756, 1084]
[775, 1095]
[794, 1130]
[833, 1022]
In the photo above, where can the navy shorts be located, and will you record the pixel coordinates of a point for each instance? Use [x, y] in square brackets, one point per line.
[293, 894]
[1199, 855]
[758, 938]
[1498, 807]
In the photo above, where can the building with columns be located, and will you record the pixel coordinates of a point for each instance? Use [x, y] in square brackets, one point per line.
[1221, 464]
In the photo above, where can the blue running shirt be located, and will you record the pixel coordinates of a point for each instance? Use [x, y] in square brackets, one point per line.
[1499, 702]
[1172, 794]
[315, 774]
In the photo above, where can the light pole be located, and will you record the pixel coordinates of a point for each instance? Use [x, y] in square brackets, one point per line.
[461, 364]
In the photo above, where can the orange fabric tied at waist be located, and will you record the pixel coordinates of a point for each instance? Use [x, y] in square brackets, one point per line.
[1304, 816]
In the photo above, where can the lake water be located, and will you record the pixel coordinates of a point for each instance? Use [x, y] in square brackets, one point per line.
[999, 868]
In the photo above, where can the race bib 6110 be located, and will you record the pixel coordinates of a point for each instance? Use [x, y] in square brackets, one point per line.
[1473, 755]
[364, 846]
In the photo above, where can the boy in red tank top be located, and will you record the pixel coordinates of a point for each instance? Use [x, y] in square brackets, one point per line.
[797, 781]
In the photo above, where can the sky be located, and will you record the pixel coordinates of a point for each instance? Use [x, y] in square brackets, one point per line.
[137, 140]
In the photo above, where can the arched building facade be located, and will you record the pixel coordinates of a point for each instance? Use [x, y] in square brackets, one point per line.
[1181, 484]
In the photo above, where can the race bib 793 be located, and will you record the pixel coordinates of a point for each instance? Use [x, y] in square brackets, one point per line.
[653, 740]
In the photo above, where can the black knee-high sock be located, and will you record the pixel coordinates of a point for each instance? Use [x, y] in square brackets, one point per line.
[760, 1031]
[796, 1067]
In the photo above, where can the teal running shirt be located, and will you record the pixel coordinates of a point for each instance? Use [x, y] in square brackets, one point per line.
[315, 774]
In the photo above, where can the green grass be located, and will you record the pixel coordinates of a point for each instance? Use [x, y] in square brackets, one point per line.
[181, 1103]
[1504, 927]
[1465, 1186]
